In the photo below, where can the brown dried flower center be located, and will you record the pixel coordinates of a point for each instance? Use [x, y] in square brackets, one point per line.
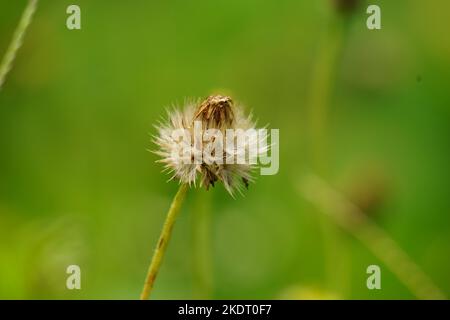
[216, 111]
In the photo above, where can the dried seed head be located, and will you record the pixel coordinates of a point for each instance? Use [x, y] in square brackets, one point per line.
[346, 6]
[215, 112]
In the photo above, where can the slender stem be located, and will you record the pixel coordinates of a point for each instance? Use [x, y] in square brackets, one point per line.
[351, 218]
[321, 87]
[201, 251]
[322, 79]
[163, 241]
[17, 40]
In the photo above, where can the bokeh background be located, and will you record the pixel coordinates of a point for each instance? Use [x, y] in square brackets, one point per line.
[367, 111]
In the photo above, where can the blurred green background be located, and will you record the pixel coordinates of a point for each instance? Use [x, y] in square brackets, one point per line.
[368, 111]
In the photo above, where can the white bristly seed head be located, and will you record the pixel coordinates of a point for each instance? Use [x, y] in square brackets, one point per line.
[215, 112]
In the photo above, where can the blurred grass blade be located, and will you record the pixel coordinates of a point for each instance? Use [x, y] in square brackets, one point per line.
[17, 40]
[353, 220]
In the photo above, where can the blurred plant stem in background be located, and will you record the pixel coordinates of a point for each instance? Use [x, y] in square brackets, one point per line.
[320, 89]
[352, 219]
[17, 40]
[201, 251]
[163, 241]
[322, 78]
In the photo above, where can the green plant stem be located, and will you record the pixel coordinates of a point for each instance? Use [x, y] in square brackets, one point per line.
[17, 40]
[201, 251]
[321, 87]
[163, 241]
